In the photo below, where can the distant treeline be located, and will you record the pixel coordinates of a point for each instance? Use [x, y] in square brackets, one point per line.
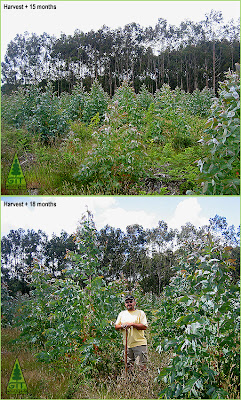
[144, 256]
[190, 56]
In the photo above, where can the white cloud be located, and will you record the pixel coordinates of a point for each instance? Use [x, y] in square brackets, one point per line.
[116, 211]
[188, 210]
[51, 219]
[68, 212]
[121, 218]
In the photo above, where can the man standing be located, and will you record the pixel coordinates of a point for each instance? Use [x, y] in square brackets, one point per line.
[133, 323]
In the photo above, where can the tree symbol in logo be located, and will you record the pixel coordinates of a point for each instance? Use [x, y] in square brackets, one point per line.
[15, 168]
[15, 177]
[17, 383]
[17, 375]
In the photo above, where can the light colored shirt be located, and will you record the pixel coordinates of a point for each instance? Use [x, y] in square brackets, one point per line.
[135, 336]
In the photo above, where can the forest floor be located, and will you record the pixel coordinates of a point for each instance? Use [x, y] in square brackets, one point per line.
[46, 381]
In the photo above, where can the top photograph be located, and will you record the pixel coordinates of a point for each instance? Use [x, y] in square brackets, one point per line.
[120, 98]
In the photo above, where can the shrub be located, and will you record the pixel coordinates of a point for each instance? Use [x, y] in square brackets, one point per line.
[165, 98]
[95, 102]
[13, 109]
[8, 306]
[199, 102]
[40, 112]
[144, 98]
[73, 104]
[220, 168]
[125, 106]
[198, 322]
[47, 119]
[80, 130]
[117, 161]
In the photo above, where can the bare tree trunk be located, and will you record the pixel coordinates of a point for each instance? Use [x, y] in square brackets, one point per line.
[206, 69]
[214, 72]
[195, 73]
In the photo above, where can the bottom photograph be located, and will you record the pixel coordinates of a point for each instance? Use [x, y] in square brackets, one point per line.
[131, 297]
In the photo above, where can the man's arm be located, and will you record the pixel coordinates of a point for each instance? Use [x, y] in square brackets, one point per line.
[127, 325]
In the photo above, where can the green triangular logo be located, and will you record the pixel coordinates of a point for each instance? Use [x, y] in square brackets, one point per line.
[17, 383]
[15, 177]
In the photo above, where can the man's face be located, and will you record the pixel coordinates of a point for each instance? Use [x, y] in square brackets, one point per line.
[130, 304]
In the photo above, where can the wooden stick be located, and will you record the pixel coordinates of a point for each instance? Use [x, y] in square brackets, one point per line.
[126, 354]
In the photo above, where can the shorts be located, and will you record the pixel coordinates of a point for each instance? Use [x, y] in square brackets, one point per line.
[137, 354]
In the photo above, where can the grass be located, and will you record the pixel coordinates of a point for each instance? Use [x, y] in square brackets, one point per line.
[43, 381]
[46, 381]
[47, 169]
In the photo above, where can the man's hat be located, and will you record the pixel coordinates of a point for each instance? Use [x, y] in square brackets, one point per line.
[129, 297]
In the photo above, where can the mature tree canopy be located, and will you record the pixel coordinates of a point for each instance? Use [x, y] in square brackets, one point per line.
[142, 256]
[192, 55]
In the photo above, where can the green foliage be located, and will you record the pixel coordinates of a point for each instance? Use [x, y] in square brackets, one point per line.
[144, 98]
[221, 167]
[193, 323]
[13, 108]
[73, 104]
[108, 146]
[196, 103]
[80, 130]
[46, 118]
[71, 319]
[125, 107]
[182, 140]
[116, 163]
[199, 102]
[8, 306]
[154, 126]
[170, 118]
[95, 102]
[39, 112]
[198, 321]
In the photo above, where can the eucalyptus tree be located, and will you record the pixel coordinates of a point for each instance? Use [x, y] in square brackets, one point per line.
[192, 35]
[231, 33]
[190, 56]
[18, 251]
[188, 237]
[219, 226]
[64, 52]
[160, 242]
[22, 61]
[160, 44]
[212, 26]
[113, 243]
[135, 255]
[54, 253]
[48, 73]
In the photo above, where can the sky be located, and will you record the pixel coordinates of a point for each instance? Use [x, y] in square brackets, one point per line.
[116, 211]
[86, 15]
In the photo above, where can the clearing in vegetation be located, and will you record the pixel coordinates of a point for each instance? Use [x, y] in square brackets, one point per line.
[170, 142]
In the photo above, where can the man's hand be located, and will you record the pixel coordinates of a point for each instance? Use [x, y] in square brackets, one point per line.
[126, 325]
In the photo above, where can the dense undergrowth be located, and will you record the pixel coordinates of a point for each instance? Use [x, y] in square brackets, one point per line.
[88, 143]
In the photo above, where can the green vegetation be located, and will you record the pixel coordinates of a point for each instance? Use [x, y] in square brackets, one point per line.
[87, 143]
[65, 338]
[221, 167]
[199, 319]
